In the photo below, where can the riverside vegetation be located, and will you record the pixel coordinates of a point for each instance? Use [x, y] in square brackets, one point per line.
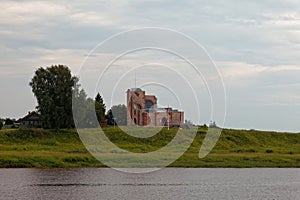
[44, 148]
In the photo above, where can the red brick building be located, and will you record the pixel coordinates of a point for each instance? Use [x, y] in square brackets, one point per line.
[142, 110]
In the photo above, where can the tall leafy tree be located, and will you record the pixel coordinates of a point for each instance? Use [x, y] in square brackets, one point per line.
[9, 121]
[1, 124]
[100, 108]
[52, 88]
[117, 114]
[84, 114]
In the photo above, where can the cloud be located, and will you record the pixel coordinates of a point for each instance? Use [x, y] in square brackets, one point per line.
[287, 99]
[93, 19]
[239, 74]
[22, 13]
[239, 69]
[23, 62]
[256, 44]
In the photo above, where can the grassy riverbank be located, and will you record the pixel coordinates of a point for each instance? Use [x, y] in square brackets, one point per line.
[235, 148]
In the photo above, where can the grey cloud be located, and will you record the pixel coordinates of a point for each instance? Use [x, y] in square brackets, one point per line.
[262, 33]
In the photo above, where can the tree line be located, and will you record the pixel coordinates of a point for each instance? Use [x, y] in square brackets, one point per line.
[56, 89]
[7, 121]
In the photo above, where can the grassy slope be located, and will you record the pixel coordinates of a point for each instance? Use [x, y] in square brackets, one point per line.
[235, 148]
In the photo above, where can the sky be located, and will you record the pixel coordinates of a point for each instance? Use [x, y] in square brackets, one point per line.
[255, 45]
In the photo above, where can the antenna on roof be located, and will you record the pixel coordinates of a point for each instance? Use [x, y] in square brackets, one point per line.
[135, 78]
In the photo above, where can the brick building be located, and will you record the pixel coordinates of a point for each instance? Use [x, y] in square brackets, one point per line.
[142, 110]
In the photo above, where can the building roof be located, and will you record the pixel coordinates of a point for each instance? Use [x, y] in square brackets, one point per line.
[136, 90]
[30, 116]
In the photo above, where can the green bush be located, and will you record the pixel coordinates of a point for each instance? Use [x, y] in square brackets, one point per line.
[269, 151]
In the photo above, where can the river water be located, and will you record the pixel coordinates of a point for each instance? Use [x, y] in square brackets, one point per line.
[169, 183]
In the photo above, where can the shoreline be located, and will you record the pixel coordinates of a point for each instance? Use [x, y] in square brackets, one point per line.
[50, 149]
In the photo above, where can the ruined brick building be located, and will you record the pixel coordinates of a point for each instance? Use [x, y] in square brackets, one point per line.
[142, 110]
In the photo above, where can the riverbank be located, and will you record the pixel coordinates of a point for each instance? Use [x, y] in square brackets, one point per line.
[236, 148]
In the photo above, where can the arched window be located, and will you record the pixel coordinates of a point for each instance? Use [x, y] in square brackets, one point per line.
[149, 104]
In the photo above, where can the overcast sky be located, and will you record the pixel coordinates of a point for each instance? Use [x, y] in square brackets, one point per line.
[255, 44]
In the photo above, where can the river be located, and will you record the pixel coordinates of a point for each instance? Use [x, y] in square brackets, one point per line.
[169, 183]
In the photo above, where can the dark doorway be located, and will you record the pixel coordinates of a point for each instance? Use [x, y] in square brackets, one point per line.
[164, 121]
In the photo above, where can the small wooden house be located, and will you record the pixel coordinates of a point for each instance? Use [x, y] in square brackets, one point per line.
[31, 120]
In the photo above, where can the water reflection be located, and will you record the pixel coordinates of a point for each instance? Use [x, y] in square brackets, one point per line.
[170, 183]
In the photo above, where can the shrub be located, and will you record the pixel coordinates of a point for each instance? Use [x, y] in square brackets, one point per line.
[251, 150]
[269, 151]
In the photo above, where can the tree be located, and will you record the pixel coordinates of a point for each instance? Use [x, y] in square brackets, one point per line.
[1, 124]
[88, 119]
[52, 88]
[84, 114]
[100, 108]
[79, 102]
[117, 114]
[9, 121]
[99, 99]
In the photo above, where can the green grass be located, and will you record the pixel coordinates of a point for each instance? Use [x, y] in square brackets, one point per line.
[235, 148]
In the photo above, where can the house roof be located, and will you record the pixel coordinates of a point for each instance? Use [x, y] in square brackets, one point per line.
[30, 116]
